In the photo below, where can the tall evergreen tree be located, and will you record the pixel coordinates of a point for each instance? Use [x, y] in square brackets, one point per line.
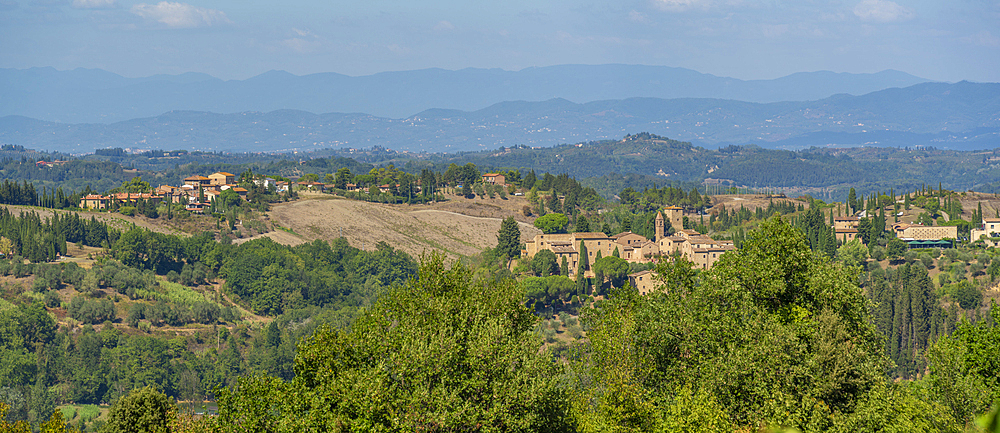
[509, 239]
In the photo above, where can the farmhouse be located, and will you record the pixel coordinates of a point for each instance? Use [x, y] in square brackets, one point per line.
[643, 281]
[919, 232]
[94, 201]
[989, 227]
[196, 181]
[494, 179]
[221, 178]
[845, 229]
[702, 250]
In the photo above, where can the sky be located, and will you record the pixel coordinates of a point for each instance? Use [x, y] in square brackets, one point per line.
[946, 40]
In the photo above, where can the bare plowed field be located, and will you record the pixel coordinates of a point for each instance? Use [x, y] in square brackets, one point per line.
[414, 229]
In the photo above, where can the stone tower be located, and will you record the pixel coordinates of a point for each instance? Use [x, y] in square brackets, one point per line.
[675, 215]
[659, 226]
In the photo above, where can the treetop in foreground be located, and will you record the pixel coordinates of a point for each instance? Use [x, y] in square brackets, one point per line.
[440, 353]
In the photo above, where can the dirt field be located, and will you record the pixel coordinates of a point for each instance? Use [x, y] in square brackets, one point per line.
[749, 201]
[971, 200]
[459, 227]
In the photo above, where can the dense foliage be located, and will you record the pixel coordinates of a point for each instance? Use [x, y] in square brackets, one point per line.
[440, 354]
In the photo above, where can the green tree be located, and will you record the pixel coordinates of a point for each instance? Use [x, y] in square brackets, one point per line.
[963, 367]
[544, 263]
[582, 225]
[852, 254]
[342, 178]
[613, 268]
[142, 411]
[932, 207]
[552, 223]
[895, 248]
[229, 199]
[436, 353]
[509, 239]
[755, 307]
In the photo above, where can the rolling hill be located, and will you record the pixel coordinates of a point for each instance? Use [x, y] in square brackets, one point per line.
[98, 96]
[957, 116]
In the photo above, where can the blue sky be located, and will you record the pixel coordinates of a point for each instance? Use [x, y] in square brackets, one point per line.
[748, 39]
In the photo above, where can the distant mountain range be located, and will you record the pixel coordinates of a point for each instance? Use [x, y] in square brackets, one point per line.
[959, 116]
[98, 96]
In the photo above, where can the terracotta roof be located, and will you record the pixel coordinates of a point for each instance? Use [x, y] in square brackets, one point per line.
[492, 175]
[590, 235]
[196, 178]
[224, 173]
[619, 235]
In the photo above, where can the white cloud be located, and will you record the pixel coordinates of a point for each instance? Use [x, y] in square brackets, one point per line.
[679, 5]
[637, 16]
[304, 42]
[444, 26]
[94, 4]
[180, 15]
[984, 38]
[883, 11]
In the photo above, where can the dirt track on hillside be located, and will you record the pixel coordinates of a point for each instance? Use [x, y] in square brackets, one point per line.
[415, 229]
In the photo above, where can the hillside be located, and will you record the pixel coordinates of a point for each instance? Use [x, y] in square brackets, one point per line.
[458, 228]
[94, 95]
[956, 116]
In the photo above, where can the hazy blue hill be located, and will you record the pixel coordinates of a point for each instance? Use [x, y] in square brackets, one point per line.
[93, 95]
[956, 116]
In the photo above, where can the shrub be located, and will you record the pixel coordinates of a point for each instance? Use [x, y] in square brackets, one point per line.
[127, 210]
[52, 299]
[878, 253]
[91, 311]
[967, 295]
[575, 331]
[976, 269]
[926, 260]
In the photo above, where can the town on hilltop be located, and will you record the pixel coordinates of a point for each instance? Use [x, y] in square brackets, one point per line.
[195, 193]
